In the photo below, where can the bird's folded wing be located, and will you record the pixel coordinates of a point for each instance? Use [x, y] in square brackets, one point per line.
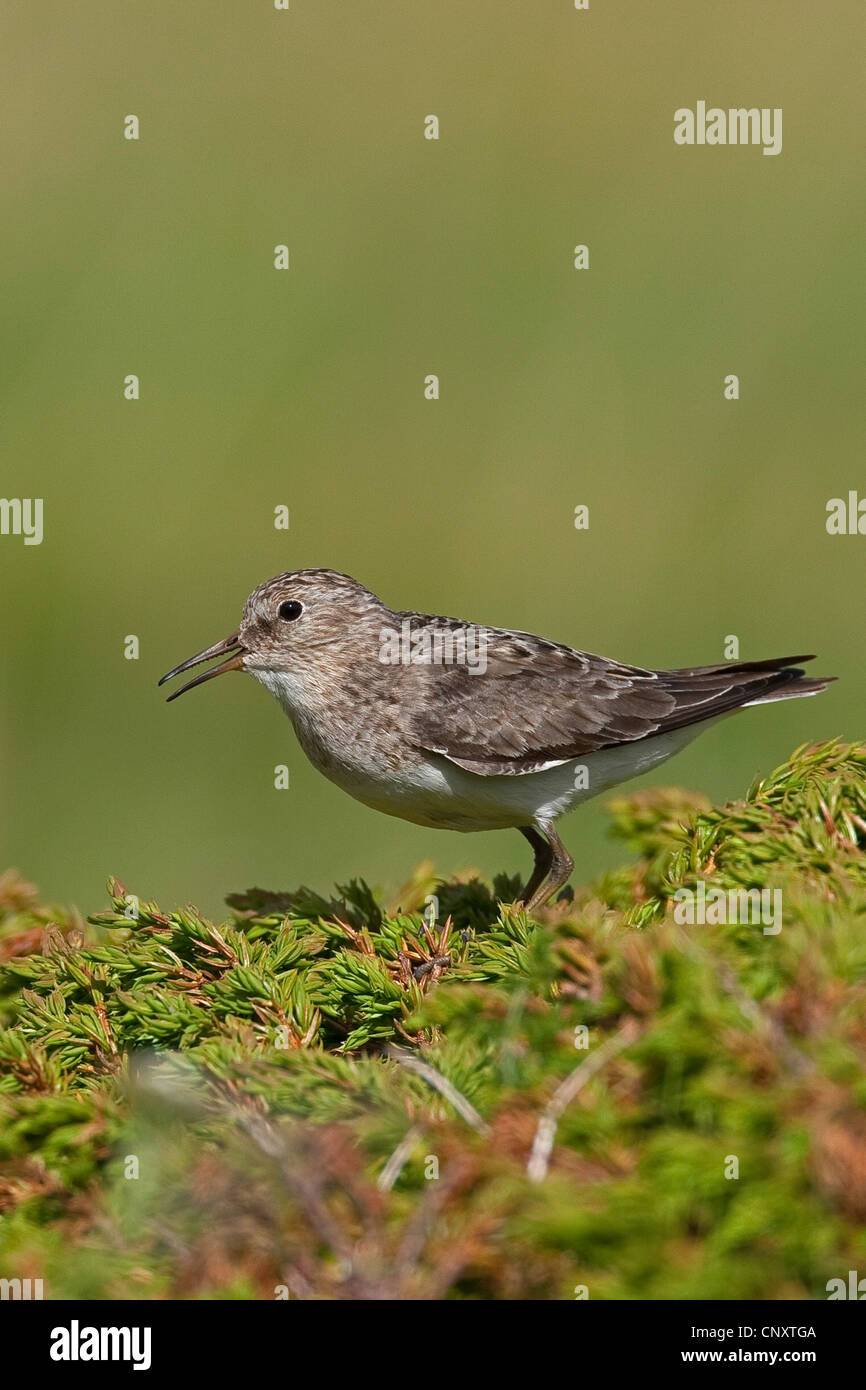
[537, 704]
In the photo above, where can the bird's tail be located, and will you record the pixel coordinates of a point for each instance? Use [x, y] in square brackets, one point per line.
[705, 692]
[759, 682]
[791, 683]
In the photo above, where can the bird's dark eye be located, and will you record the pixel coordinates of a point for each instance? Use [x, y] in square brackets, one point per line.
[291, 609]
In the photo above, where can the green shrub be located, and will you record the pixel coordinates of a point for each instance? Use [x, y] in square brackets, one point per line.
[323, 1098]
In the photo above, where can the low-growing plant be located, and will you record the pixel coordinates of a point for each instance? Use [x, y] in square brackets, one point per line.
[331, 1097]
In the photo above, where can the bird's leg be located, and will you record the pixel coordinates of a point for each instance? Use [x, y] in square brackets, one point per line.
[543, 861]
[559, 866]
[563, 863]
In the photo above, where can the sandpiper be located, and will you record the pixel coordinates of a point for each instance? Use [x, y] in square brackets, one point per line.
[467, 727]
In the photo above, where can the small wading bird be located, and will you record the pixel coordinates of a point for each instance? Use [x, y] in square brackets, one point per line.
[462, 727]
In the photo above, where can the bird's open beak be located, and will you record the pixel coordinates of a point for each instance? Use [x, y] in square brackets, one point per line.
[229, 647]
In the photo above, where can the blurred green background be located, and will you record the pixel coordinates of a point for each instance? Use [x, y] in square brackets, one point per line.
[305, 388]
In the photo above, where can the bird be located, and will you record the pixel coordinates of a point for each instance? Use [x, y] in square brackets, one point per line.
[461, 726]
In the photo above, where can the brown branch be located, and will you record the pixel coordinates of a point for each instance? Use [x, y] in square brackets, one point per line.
[545, 1135]
[440, 1083]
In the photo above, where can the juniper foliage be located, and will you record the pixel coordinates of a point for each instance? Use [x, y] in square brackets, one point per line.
[324, 1098]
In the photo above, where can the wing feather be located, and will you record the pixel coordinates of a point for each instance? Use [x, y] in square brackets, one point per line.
[538, 704]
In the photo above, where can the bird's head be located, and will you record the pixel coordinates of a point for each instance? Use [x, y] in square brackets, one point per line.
[288, 623]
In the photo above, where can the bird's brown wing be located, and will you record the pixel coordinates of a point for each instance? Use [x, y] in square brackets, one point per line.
[537, 704]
